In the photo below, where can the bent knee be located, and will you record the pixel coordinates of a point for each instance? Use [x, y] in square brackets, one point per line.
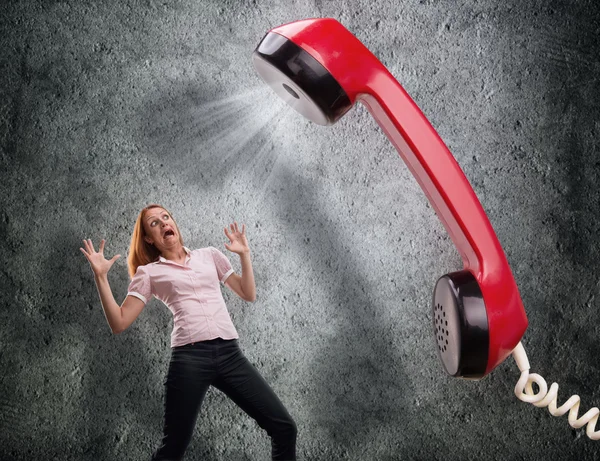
[288, 429]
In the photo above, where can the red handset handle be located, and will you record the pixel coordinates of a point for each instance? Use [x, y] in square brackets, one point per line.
[364, 78]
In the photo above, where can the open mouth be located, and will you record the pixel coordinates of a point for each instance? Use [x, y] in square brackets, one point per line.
[169, 233]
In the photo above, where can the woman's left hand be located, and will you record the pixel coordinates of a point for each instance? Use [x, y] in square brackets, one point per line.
[237, 240]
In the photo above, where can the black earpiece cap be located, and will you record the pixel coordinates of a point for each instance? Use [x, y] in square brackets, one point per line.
[300, 80]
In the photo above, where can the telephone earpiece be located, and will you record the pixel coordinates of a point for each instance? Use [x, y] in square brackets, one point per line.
[320, 69]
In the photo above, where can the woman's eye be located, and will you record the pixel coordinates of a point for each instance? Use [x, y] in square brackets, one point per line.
[165, 217]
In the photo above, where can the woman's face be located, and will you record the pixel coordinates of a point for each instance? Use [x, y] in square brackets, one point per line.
[161, 230]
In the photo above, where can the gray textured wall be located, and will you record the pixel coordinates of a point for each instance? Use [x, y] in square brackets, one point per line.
[107, 106]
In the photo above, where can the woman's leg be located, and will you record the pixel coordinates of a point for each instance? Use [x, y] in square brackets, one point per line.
[243, 384]
[191, 371]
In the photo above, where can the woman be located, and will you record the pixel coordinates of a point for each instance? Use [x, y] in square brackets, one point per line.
[204, 344]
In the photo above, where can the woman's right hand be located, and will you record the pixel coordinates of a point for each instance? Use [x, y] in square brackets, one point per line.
[100, 265]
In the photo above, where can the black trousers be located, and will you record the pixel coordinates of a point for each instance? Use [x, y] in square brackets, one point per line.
[221, 363]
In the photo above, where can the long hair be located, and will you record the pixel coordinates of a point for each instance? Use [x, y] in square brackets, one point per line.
[140, 251]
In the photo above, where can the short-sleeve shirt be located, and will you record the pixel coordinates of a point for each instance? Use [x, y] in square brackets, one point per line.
[191, 292]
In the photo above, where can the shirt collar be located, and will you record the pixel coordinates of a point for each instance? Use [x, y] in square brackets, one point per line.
[187, 251]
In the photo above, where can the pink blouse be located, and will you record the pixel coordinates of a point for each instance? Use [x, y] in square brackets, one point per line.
[191, 292]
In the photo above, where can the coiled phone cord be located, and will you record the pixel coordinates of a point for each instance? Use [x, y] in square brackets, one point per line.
[547, 398]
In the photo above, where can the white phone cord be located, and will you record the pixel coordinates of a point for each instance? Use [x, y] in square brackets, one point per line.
[544, 398]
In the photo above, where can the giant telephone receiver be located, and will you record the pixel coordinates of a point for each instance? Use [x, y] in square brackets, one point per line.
[320, 69]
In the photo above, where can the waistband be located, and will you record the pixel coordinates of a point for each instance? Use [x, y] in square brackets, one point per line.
[208, 341]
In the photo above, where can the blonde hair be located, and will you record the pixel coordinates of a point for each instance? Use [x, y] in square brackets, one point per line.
[140, 251]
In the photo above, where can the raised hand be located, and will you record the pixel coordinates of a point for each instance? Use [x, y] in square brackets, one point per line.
[100, 265]
[237, 240]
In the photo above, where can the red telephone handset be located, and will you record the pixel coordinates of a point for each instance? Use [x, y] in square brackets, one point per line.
[321, 69]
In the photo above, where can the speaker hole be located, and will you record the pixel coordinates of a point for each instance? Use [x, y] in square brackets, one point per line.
[290, 91]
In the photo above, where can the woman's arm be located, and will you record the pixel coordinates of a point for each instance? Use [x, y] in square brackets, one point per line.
[247, 279]
[112, 311]
[244, 286]
[118, 318]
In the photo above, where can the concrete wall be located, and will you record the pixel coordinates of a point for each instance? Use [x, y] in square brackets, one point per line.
[108, 106]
